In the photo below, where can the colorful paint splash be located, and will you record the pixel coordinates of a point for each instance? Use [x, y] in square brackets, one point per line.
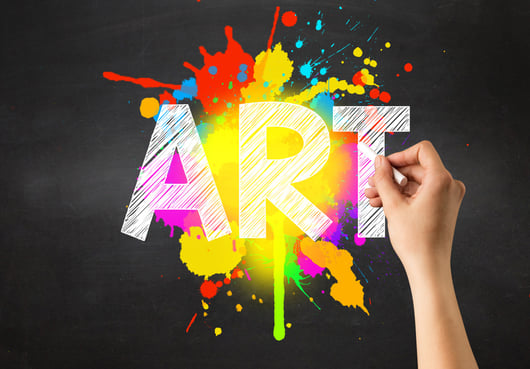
[232, 77]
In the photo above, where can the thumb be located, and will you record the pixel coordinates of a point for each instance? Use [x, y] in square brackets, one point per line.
[384, 182]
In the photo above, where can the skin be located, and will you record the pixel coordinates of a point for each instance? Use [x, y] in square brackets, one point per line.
[421, 223]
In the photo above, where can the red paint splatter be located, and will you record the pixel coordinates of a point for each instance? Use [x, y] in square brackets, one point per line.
[407, 67]
[467, 145]
[276, 14]
[219, 284]
[236, 273]
[397, 74]
[161, 276]
[289, 18]
[357, 79]
[166, 96]
[144, 82]
[370, 300]
[223, 86]
[385, 97]
[227, 281]
[374, 93]
[191, 322]
[208, 289]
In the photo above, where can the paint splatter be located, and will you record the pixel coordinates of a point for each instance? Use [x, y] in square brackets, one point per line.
[231, 77]
[289, 18]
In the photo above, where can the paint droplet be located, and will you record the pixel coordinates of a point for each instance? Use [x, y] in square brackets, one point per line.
[359, 241]
[204, 305]
[374, 94]
[299, 43]
[288, 325]
[218, 331]
[397, 74]
[161, 276]
[373, 63]
[205, 314]
[388, 44]
[407, 67]
[212, 70]
[239, 308]
[384, 97]
[261, 301]
[149, 107]
[366, 61]
[358, 52]
[228, 293]
[318, 25]
[314, 81]
[311, 299]
[253, 297]
[289, 19]
[219, 284]
[208, 289]
[323, 71]
[323, 292]
[467, 145]
[226, 281]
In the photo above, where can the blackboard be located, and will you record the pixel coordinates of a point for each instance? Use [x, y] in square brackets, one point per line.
[76, 292]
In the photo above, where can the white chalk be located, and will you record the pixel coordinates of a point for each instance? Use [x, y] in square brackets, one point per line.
[371, 154]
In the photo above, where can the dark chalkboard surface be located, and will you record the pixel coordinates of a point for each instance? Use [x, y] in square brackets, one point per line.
[77, 293]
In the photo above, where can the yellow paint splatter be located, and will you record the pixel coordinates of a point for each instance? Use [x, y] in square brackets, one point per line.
[204, 305]
[218, 331]
[357, 52]
[271, 70]
[206, 258]
[261, 301]
[149, 107]
[348, 289]
[366, 61]
[388, 44]
[331, 85]
[239, 308]
[205, 314]
[229, 293]
[373, 63]
[253, 297]
[288, 325]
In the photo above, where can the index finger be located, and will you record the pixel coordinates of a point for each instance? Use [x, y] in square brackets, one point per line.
[422, 153]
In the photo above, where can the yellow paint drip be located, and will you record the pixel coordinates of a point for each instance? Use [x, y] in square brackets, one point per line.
[204, 305]
[348, 289]
[206, 258]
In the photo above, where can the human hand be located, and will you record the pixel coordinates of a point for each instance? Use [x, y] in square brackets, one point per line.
[422, 215]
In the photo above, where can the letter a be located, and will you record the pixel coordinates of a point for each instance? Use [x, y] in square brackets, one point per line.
[262, 179]
[175, 130]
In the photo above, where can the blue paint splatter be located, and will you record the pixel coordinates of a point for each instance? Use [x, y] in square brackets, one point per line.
[306, 69]
[318, 25]
[299, 43]
[188, 90]
[323, 71]
[212, 70]
[314, 81]
[323, 105]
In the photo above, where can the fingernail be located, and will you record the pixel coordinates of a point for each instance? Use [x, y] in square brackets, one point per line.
[377, 161]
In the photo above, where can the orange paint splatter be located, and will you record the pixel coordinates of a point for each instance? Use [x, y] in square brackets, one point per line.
[144, 82]
[276, 14]
[385, 97]
[191, 322]
[357, 79]
[208, 289]
[289, 18]
[348, 289]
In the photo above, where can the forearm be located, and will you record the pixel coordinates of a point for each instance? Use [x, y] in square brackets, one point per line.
[440, 334]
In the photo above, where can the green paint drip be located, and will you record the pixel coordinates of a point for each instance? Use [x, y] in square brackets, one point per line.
[278, 276]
